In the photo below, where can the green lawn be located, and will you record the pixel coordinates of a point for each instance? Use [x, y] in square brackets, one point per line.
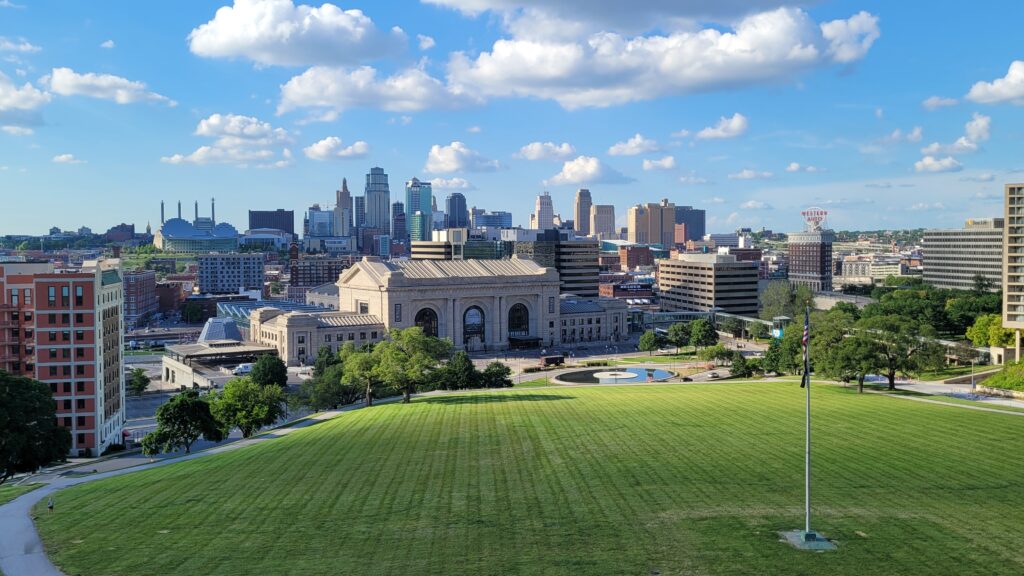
[674, 480]
[952, 372]
[534, 383]
[656, 359]
[9, 492]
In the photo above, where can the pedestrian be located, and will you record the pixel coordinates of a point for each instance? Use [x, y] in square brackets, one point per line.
[49, 504]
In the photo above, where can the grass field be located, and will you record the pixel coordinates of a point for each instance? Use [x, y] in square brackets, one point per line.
[685, 479]
[9, 492]
[952, 372]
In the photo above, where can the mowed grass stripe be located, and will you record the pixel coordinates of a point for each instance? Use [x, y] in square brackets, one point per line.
[692, 479]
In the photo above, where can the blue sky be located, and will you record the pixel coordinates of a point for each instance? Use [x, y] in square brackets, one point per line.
[751, 109]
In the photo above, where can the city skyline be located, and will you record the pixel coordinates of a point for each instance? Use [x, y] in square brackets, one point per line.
[105, 113]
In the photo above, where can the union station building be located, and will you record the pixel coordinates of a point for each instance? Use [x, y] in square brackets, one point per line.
[480, 305]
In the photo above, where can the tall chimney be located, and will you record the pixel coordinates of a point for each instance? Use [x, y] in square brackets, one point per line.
[179, 209]
[213, 211]
[161, 211]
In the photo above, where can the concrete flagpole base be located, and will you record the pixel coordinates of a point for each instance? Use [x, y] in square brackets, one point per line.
[812, 540]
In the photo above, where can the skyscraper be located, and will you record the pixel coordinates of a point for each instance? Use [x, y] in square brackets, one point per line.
[343, 210]
[456, 215]
[581, 212]
[543, 214]
[602, 221]
[399, 225]
[279, 219]
[652, 223]
[378, 200]
[694, 219]
[359, 214]
[419, 198]
[1013, 268]
[810, 253]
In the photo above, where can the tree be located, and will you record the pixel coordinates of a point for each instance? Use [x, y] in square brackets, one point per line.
[496, 375]
[758, 330]
[29, 435]
[269, 370]
[740, 367]
[191, 312]
[408, 359]
[776, 300]
[360, 369]
[181, 421]
[988, 330]
[904, 346]
[702, 333]
[245, 405]
[138, 381]
[772, 361]
[733, 326]
[329, 390]
[324, 360]
[982, 284]
[716, 353]
[679, 335]
[460, 374]
[650, 341]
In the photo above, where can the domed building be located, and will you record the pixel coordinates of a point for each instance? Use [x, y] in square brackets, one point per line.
[201, 235]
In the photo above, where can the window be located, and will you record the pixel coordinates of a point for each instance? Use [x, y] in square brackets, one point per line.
[81, 439]
[14, 296]
[473, 324]
[67, 404]
[302, 339]
[79, 295]
[28, 316]
[80, 369]
[518, 320]
[65, 353]
[81, 421]
[362, 335]
[53, 387]
[551, 304]
[426, 319]
[80, 386]
[351, 335]
[80, 404]
[51, 296]
[364, 308]
[67, 421]
[65, 318]
[79, 318]
[327, 337]
[80, 352]
[51, 318]
[398, 312]
[26, 296]
[52, 336]
[65, 295]
[53, 353]
[53, 370]
[79, 335]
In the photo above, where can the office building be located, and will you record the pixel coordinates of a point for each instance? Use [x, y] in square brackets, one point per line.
[455, 213]
[492, 220]
[230, 273]
[954, 258]
[652, 223]
[318, 223]
[1013, 258]
[581, 212]
[419, 198]
[633, 257]
[307, 272]
[399, 223]
[457, 244]
[543, 217]
[575, 260]
[279, 219]
[66, 329]
[810, 253]
[706, 282]
[359, 212]
[694, 219]
[378, 200]
[140, 301]
[343, 210]
[729, 240]
[602, 221]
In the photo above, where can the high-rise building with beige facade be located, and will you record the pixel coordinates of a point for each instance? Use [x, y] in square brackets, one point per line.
[955, 258]
[1013, 254]
[602, 221]
[705, 282]
[652, 223]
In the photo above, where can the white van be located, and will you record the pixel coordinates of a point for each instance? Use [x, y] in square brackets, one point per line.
[242, 369]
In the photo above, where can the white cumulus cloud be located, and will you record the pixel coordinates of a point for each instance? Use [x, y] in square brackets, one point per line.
[546, 151]
[17, 45]
[332, 148]
[17, 130]
[936, 102]
[755, 205]
[451, 184]
[932, 164]
[976, 130]
[1009, 88]
[635, 145]
[457, 157]
[748, 174]
[108, 44]
[425, 42]
[587, 170]
[339, 89]
[67, 82]
[239, 140]
[666, 163]
[281, 33]
[726, 128]
[797, 167]
[608, 68]
[67, 159]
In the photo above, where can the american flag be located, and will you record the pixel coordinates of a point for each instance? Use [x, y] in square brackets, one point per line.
[806, 340]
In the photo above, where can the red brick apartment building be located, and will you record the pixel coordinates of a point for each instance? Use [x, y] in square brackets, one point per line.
[65, 329]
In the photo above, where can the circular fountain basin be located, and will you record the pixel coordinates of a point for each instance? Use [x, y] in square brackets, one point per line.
[615, 376]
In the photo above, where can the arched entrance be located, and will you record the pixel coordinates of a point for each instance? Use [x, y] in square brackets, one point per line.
[473, 333]
[427, 320]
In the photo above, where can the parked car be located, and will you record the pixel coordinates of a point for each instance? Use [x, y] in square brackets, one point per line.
[713, 375]
[687, 379]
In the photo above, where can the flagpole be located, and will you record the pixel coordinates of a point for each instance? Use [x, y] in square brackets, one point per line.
[807, 452]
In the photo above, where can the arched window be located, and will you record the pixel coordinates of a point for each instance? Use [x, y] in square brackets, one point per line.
[427, 320]
[518, 320]
[472, 324]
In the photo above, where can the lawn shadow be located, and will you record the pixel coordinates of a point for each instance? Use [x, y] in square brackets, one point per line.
[489, 398]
